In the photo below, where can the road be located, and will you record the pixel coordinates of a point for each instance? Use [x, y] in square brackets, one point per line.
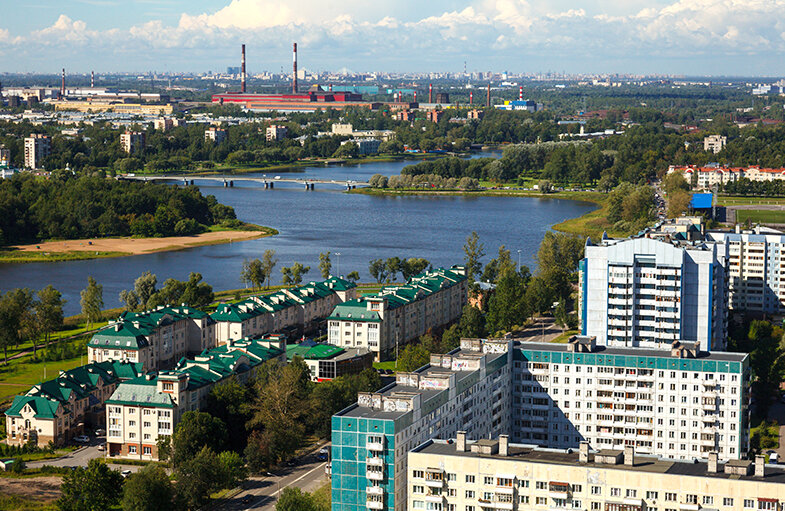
[81, 456]
[261, 493]
[543, 330]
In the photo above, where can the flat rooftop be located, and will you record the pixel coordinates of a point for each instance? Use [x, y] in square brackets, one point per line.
[643, 463]
[723, 356]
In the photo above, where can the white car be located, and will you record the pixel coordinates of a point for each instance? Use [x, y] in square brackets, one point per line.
[82, 439]
[125, 473]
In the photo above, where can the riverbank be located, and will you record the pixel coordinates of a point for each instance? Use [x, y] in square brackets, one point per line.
[591, 224]
[73, 250]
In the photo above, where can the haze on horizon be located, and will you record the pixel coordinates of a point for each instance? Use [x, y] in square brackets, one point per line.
[695, 37]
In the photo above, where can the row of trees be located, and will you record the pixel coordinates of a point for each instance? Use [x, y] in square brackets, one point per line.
[145, 295]
[27, 315]
[427, 181]
[83, 207]
[387, 270]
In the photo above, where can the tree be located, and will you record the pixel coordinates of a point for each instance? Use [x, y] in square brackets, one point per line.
[293, 275]
[294, 499]
[353, 276]
[507, 305]
[413, 266]
[130, 299]
[412, 357]
[95, 488]
[230, 401]
[378, 181]
[48, 311]
[673, 182]
[392, 267]
[148, 490]
[144, 288]
[233, 470]
[253, 273]
[195, 431]
[92, 301]
[268, 264]
[499, 266]
[325, 265]
[472, 322]
[560, 251]
[545, 186]
[15, 313]
[474, 251]
[378, 270]
[198, 477]
[678, 202]
[258, 453]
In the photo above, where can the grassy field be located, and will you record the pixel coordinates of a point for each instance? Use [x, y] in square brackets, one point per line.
[16, 256]
[390, 364]
[323, 497]
[20, 374]
[762, 216]
[724, 200]
[17, 503]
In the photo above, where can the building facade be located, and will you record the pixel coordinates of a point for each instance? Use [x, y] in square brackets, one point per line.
[466, 390]
[275, 132]
[132, 142]
[706, 178]
[58, 410]
[215, 135]
[37, 147]
[156, 338]
[714, 143]
[142, 410]
[484, 474]
[399, 314]
[644, 292]
[326, 362]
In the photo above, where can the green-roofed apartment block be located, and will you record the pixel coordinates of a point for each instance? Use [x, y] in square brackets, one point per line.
[300, 308]
[399, 314]
[326, 361]
[156, 338]
[59, 409]
[142, 410]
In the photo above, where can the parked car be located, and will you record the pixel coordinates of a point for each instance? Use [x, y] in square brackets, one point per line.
[125, 473]
[102, 447]
[100, 432]
[774, 457]
[82, 439]
[322, 455]
[246, 499]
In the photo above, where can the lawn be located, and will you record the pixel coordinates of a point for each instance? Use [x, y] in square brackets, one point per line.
[390, 364]
[20, 374]
[323, 497]
[760, 216]
[724, 200]
[563, 338]
[17, 503]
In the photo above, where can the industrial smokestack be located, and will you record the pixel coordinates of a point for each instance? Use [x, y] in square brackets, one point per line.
[520, 93]
[242, 72]
[415, 96]
[294, 67]
[331, 87]
[488, 99]
[92, 79]
[471, 98]
[62, 85]
[430, 93]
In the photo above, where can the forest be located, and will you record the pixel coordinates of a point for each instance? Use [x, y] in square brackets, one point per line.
[71, 207]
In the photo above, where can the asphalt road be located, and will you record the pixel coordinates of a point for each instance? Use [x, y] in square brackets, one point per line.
[261, 493]
[81, 456]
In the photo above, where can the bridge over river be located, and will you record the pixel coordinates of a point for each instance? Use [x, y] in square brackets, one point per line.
[229, 180]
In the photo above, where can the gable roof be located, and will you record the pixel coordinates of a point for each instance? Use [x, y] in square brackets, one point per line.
[43, 408]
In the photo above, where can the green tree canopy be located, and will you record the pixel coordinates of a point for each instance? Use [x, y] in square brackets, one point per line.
[149, 489]
[95, 488]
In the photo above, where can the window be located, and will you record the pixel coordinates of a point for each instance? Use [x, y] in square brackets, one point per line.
[631, 494]
[541, 485]
[487, 480]
[470, 479]
[670, 497]
[131, 449]
[596, 490]
[691, 499]
[147, 450]
[615, 492]
[418, 474]
[418, 489]
[469, 494]
[651, 494]
[727, 501]
[451, 477]
[418, 504]
[541, 501]
[707, 499]
[749, 504]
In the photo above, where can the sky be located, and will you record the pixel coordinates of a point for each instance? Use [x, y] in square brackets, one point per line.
[688, 37]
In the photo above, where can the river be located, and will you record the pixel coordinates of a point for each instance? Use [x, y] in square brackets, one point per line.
[359, 227]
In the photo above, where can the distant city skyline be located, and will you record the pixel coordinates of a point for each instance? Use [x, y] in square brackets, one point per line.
[695, 37]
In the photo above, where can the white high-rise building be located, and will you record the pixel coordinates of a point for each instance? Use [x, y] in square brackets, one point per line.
[648, 293]
[37, 147]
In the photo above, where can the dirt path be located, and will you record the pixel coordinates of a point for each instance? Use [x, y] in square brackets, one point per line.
[33, 488]
[136, 246]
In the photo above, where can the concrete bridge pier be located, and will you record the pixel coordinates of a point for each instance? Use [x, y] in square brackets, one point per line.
[192, 182]
[226, 184]
[309, 186]
[231, 184]
[266, 185]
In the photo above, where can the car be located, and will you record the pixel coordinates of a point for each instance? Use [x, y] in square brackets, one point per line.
[100, 432]
[277, 177]
[246, 499]
[82, 439]
[291, 463]
[322, 455]
[102, 447]
[774, 458]
[125, 473]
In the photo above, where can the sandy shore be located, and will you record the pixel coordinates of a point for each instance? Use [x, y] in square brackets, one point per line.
[136, 246]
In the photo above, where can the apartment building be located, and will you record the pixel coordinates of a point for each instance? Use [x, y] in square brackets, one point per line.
[679, 403]
[484, 474]
[399, 314]
[646, 292]
[5, 157]
[37, 148]
[59, 409]
[275, 133]
[303, 307]
[714, 143]
[156, 338]
[215, 135]
[755, 268]
[142, 410]
[705, 178]
[467, 389]
[132, 142]
[326, 361]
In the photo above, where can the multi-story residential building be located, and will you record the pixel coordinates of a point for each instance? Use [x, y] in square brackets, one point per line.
[37, 147]
[142, 410]
[679, 403]
[475, 114]
[5, 157]
[755, 268]
[304, 307]
[468, 389]
[275, 132]
[707, 177]
[216, 135]
[365, 145]
[57, 410]
[326, 361]
[714, 143]
[156, 338]
[399, 314]
[490, 474]
[132, 142]
[644, 292]
[163, 123]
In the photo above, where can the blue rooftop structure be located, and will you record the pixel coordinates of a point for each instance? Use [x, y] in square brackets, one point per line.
[701, 201]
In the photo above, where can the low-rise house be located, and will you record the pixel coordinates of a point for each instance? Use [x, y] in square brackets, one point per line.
[59, 409]
[399, 314]
[156, 338]
[143, 410]
[326, 361]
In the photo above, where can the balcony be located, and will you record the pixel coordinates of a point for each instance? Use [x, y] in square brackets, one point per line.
[505, 490]
[434, 483]
[374, 475]
[374, 490]
[374, 504]
[438, 499]
[375, 461]
[503, 505]
[374, 445]
[689, 507]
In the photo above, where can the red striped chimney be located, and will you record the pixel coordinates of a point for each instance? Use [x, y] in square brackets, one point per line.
[520, 93]
[294, 67]
[430, 93]
[471, 98]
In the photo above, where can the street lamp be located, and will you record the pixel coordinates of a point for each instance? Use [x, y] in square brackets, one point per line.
[338, 254]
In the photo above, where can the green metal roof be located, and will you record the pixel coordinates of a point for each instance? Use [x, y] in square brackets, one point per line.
[318, 352]
[132, 328]
[44, 408]
[355, 310]
[141, 392]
